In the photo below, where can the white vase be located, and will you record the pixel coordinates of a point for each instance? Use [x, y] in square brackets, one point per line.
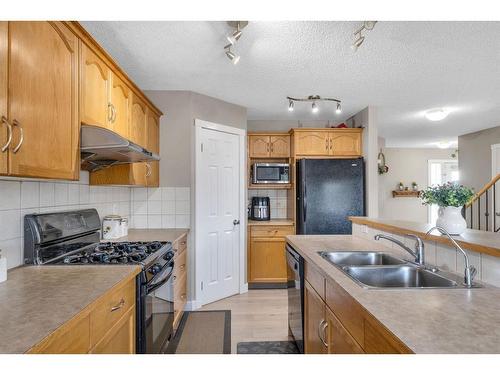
[450, 218]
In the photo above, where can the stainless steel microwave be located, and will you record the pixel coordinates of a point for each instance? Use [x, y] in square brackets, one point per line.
[271, 173]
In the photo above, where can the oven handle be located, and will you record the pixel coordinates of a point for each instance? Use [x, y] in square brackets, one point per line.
[158, 280]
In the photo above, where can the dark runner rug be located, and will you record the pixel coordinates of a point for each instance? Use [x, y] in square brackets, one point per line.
[203, 332]
[267, 347]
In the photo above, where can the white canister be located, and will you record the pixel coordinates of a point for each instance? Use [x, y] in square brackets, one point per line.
[112, 227]
[124, 226]
[3, 268]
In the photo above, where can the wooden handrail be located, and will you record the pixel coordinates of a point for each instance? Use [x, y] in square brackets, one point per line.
[483, 190]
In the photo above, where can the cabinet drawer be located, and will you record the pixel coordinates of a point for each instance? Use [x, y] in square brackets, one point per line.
[315, 278]
[111, 309]
[271, 231]
[180, 266]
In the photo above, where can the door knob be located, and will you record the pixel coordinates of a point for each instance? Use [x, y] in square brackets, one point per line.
[236, 222]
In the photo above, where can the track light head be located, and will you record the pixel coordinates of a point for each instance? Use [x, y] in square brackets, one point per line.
[359, 41]
[234, 37]
[234, 58]
[339, 109]
[290, 105]
[314, 108]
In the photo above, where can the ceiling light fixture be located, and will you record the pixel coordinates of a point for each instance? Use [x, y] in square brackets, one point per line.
[315, 99]
[366, 26]
[233, 38]
[437, 114]
[444, 145]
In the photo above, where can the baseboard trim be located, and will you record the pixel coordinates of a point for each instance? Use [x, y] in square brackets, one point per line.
[268, 285]
[244, 288]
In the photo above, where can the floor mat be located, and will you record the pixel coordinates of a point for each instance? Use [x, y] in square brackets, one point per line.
[203, 332]
[267, 347]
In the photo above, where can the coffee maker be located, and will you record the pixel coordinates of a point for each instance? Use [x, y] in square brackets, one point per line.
[260, 209]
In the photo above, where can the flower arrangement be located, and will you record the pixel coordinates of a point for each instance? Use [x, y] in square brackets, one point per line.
[449, 194]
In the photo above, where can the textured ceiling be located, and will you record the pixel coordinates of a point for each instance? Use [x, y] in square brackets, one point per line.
[403, 68]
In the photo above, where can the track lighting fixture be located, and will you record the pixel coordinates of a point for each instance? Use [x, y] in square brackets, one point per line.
[368, 26]
[315, 99]
[233, 38]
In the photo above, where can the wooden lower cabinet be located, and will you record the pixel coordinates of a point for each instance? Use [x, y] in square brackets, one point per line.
[106, 326]
[267, 254]
[180, 278]
[335, 323]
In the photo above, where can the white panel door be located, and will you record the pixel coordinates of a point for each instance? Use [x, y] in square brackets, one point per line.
[218, 201]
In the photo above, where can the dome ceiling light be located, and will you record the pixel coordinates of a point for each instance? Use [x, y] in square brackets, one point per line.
[315, 99]
[233, 38]
[367, 26]
[437, 114]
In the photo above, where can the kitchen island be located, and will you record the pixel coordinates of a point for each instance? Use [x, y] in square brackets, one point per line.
[398, 320]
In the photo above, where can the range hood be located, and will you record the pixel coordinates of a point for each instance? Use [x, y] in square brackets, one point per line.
[101, 148]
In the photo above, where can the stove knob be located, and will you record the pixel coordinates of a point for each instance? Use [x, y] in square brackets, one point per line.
[155, 268]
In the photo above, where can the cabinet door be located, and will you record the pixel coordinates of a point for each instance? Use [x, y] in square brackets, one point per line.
[124, 174]
[280, 146]
[153, 126]
[120, 111]
[312, 143]
[259, 146]
[3, 95]
[43, 100]
[138, 126]
[94, 93]
[339, 340]
[267, 260]
[315, 322]
[120, 339]
[345, 143]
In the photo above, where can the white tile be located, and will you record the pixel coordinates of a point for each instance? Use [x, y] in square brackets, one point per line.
[154, 221]
[93, 194]
[490, 269]
[446, 258]
[168, 221]
[154, 194]
[9, 224]
[140, 221]
[139, 208]
[430, 252]
[12, 250]
[139, 194]
[154, 207]
[47, 197]
[181, 207]
[182, 221]
[168, 207]
[84, 177]
[109, 195]
[168, 194]
[182, 194]
[73, 194]
[10, 195]
[30, 194]
[84, 194]
[474, 260]
[61, 194]
[272, 193]
[101, 194]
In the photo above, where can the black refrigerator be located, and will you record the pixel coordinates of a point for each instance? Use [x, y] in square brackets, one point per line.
[328, 192]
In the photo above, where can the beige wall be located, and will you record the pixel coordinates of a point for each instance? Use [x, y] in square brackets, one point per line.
[283, 125]
[406, 165]
[180, 109]
[475, 156]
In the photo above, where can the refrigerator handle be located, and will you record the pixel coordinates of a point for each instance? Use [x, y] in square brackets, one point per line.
[304, 203]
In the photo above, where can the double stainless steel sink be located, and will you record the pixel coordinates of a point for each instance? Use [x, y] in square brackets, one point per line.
[379, 270]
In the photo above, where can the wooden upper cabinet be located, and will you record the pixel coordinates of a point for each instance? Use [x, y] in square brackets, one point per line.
[120, 100]
[312, 143]
[338, 338]
[95, 87]
[138, 122]
[4, 48]
[153, 127]
[345, 143]
[269, 145]
[43, 100]
[280, 146]
[259, 146]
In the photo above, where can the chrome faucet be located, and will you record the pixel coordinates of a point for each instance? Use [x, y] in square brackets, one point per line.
[470, 271]
[419, 246]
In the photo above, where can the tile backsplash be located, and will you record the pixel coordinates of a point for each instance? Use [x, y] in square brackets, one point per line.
[145, 207]
[278, 199]
[163, 207]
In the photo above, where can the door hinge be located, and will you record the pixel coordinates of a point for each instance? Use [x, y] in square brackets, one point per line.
[202, 285]
[202, 147]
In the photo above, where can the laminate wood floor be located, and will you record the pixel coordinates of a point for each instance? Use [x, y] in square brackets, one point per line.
[259, 315]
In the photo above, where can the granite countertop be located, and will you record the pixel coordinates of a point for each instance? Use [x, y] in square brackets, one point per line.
[170, 235]
[36, 300]
[476, 240]
[427, 321]
[271, 222]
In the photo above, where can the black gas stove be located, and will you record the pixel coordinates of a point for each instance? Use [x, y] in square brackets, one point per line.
[73, 238]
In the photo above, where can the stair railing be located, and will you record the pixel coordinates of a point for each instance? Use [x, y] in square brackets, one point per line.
[481, 212]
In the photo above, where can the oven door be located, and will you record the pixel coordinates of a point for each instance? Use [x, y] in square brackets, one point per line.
[159, 310]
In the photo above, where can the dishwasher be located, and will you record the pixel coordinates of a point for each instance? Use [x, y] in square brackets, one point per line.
[296, 296]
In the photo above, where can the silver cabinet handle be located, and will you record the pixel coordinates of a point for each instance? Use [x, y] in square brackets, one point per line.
[110, 116]
[322, 331]
[119, 306]
[149, 171]
[21, 139]
[9, 132]
[113, 111]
